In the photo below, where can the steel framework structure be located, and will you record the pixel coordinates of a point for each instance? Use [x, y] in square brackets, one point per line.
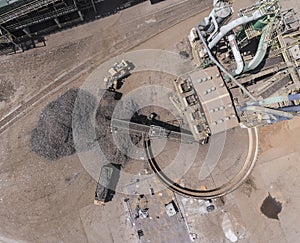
[24, 23]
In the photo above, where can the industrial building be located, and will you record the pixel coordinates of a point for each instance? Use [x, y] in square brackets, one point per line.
[24, 23]
[257, 55]
[207, 104]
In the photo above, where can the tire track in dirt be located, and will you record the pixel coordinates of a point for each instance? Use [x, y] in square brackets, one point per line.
[178, 13]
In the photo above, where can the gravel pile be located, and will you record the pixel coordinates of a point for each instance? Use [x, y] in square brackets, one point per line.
[115, 146]
[53, 139]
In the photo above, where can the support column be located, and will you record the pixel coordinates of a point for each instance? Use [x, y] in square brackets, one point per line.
[80, 15]
[57, 22]
[94, 7]
[27, 32]
[78, 11]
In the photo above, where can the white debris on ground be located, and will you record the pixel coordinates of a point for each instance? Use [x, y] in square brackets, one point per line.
[228, 229]
[195, 206]
[8, 240]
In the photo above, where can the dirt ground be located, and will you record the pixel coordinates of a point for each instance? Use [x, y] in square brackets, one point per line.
[42, 201]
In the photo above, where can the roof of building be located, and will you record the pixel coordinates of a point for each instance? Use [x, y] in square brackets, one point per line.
[215, 99]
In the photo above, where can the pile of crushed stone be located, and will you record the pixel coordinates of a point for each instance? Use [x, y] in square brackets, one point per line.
[52, 138]
[109, 142]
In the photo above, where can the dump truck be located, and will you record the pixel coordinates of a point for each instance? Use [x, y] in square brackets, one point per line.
[108, 179]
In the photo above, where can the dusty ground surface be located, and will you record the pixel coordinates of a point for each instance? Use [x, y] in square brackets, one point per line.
[75, 52]
[210, 165]
[158, 226]
[44, 201]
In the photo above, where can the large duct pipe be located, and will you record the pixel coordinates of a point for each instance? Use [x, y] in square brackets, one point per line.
[265, 110]
[214, 27]
[260, 53]
[294, 97]
[226, 28]
[274, 100]
[268, 101]
[237, 55]
[262, 48]
[291, 108]
[214, 60]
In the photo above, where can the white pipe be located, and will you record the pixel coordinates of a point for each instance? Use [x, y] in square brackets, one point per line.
[266, 110]
[215, 2]
[214, 21]
[220, 66]
[226, 28]
[237, 55]
[260, 53]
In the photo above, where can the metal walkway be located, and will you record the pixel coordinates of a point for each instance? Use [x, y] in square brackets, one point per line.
[24, 9]
[152, 131]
